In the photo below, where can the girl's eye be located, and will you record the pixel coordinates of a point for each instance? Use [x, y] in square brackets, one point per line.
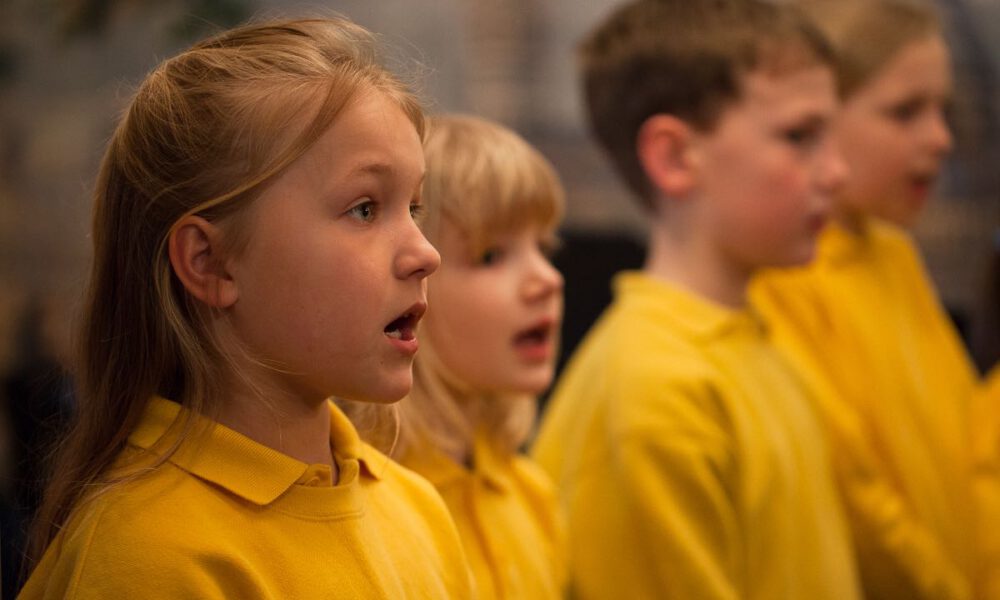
[549, 245]
[364, 211]
[490, 256]
[417, 211]
[904, 112]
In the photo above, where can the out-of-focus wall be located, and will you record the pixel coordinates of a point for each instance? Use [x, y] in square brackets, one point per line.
[510, 60]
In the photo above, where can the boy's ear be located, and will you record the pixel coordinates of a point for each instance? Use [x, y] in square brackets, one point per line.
[665, 147]
[195, 248]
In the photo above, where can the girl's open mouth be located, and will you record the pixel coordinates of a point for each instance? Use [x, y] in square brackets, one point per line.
[402, 331]
[402, 327]
[536, 343]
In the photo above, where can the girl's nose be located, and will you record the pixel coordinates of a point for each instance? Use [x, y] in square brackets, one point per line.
[417, 257]
[543, 279]
[939, 136]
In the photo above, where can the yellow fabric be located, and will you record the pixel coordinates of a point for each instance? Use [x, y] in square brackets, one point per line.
[689, 461]
[506, 512]
[987, 481]
[226, 517]
[863, 323]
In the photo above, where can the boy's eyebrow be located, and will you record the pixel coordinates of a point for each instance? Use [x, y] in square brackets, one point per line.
[815, 119]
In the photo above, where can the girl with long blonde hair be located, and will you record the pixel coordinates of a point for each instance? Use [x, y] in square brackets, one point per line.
[255, 253]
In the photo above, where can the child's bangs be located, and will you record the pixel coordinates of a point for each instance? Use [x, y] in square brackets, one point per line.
[507, 199]
[488, 182]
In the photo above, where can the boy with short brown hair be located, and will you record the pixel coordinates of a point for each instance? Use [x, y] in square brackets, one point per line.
[690, 461]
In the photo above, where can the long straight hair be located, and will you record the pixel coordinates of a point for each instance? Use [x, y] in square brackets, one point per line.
[205, 133]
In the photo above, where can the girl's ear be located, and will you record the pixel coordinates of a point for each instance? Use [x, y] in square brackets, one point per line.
[195, 248]
[664, 146]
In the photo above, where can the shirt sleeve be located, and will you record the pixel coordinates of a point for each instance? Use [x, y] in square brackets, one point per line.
[89, 566]
[661, 521]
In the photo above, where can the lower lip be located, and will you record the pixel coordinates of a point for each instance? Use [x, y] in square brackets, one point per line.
[534, 352]
[408, 347]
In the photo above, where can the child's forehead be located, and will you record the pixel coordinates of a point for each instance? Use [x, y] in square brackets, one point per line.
[805, 91]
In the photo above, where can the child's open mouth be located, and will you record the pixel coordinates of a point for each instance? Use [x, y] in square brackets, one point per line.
[404, 326]
[534, 336]
[535, 343]
[401, 328]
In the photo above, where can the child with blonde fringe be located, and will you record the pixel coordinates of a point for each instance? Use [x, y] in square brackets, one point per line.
[489, 343]
[255, 253]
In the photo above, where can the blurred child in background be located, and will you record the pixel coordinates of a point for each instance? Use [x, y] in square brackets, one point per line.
[686, 452]
[863, 321]
[489, 344]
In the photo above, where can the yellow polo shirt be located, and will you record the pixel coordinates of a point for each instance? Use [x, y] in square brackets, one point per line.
[864, 323]
[506, 511]
[987, 481]
[226, 517]
[689, 461]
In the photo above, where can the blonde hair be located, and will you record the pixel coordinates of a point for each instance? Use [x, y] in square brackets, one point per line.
[205, 133]
[484, 180]
[866, 34]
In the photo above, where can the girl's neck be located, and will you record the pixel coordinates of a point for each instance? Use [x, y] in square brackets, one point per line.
[298, 429]
[462, 452]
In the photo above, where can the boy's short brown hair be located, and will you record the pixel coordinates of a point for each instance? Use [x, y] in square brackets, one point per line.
[684, 58]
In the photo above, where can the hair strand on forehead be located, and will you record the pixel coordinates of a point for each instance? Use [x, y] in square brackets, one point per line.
[487, 181]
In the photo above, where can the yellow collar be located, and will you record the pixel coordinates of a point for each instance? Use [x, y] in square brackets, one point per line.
[488, 465]
[690, 313]
[233, 461]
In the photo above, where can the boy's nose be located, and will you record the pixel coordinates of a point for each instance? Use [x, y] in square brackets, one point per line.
[833, 168]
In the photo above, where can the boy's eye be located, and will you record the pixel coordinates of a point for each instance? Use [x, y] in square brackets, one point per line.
[364, 211]
[802, 136]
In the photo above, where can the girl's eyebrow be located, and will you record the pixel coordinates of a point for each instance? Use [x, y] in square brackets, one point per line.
[380, 169]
